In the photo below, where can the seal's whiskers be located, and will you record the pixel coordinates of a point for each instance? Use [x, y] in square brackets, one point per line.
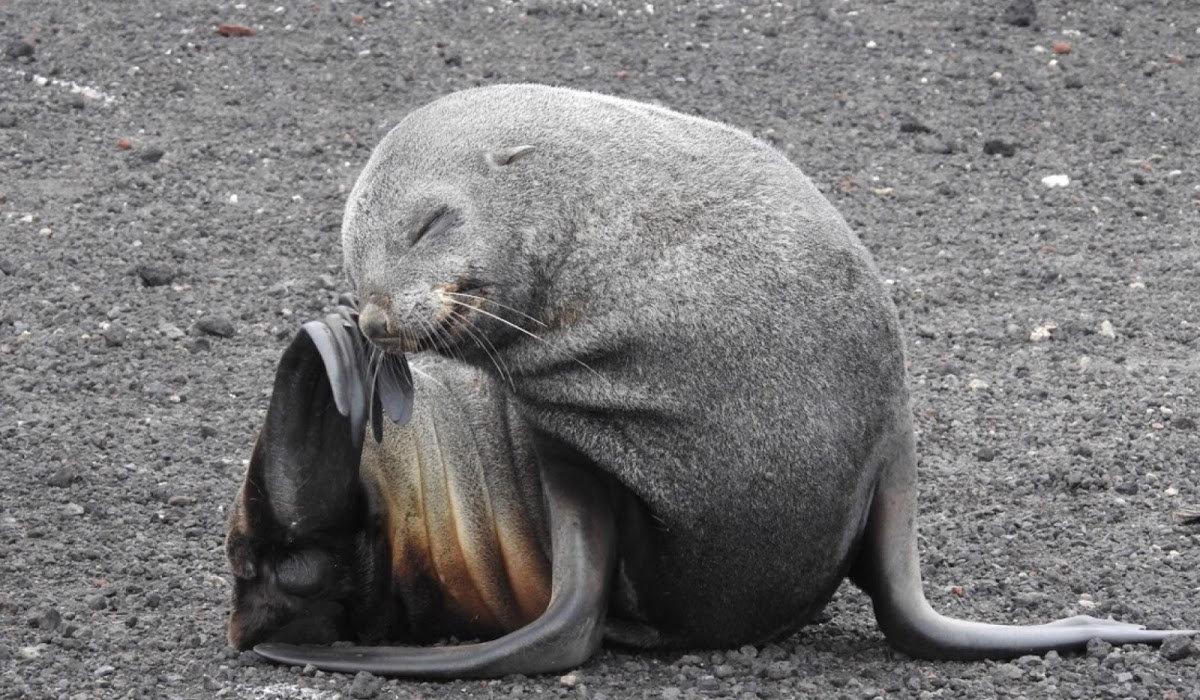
[480, 339]
[510, 324]
[502, 306]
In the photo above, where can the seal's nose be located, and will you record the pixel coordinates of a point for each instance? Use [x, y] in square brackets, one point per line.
[373, 322]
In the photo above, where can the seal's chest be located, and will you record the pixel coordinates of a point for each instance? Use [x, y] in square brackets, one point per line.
[465, 560]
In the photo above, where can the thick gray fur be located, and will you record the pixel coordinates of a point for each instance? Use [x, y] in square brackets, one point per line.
[709, 332]
[744, 357]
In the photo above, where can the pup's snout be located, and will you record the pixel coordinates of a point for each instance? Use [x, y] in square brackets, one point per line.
[373, 322]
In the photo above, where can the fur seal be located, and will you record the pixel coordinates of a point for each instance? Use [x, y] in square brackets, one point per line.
[672, 335]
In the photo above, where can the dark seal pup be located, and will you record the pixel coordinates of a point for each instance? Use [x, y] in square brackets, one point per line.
[662, 325]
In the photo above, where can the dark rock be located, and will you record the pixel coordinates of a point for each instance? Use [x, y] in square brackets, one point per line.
[909, 125]
[216, 325]
[1127, 488]
[1183, 424]
[62, 477]
[1177, 647]
[152, 155]
[19, 49]
[1073, 82]
[7, 121]
[985, 454]
[1021, 13]
[154, 275]
[996, 146]
[7, 266]
[207, 431]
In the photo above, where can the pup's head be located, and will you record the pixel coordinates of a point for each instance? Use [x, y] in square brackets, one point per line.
[298, 542]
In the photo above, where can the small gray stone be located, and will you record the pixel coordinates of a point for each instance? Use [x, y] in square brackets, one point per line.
[993, 147]
[1021, 13]
[115, 335]
[179, 500]
[152, 154]
[62, 477]
[1098, 648]
[96, 602]
[1177, 647]
[154, 275]
[49, 620]
[216, 325]
[171, 331]
[364, 685]
[104, 670]
[671, 693]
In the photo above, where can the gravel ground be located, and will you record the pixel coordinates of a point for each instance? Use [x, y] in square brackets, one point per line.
[169, 215]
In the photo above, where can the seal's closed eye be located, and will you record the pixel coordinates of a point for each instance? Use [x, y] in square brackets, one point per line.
[442, 220]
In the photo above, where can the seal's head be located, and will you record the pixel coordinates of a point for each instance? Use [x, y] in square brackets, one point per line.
[437, 230]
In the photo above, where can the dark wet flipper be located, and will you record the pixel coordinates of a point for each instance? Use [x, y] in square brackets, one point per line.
[583, 537]
[341, 352]
[305, 465]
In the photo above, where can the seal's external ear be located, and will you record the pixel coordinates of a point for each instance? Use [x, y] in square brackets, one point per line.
[306, 461]
[507, 156]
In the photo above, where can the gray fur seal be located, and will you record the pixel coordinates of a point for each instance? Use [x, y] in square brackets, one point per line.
[659, 384]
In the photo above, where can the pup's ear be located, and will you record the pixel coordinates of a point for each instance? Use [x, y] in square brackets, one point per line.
[304, 469]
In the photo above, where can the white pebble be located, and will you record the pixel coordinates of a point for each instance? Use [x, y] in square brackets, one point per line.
[1059, 180]
[1107, 330]
[977, 384]
[233, 199]
[1042, 332]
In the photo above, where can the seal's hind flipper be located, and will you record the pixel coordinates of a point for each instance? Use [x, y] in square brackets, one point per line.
[888, 569]
[583, 545]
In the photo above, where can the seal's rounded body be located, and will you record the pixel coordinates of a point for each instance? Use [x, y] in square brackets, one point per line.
[709, 332]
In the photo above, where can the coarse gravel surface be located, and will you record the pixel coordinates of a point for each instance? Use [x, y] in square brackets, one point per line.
[170, 201]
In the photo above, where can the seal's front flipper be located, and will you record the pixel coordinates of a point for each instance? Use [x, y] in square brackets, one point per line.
[888, 570]
[583, 544]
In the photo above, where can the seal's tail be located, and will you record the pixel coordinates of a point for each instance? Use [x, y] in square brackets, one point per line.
[888, 569]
